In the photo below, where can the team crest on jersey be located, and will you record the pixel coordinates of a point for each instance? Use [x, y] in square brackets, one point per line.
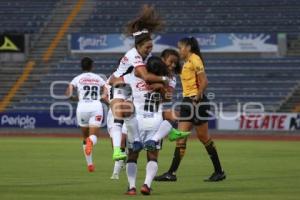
[98, 118]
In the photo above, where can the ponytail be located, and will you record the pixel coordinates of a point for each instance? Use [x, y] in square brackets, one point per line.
[193, 43]
[144, 25]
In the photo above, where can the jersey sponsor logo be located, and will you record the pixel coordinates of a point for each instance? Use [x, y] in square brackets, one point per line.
[142, 86]
[86, 81]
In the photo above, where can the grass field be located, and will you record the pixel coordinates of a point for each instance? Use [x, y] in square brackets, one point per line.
[54, 168]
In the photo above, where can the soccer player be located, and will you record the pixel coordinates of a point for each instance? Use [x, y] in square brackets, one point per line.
[147, 101]
[134, 62]
[89, 111]
[194, 82]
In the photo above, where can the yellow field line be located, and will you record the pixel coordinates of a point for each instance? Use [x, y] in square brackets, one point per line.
[26, 72]
[46, 56]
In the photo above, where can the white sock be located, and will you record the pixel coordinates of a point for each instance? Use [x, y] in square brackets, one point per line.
[132, 129]
[116, 133]
[89, 159]
[94, 139]
[151, 170]
[162, 131]
[118, 166]
[131, 170]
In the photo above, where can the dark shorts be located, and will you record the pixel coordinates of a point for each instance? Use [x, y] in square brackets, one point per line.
[197, 113]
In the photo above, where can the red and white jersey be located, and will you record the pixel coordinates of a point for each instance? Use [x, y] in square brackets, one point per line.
[144, 99]
[129, 62]
[88, 87]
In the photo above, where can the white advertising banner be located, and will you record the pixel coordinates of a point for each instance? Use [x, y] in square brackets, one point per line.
[259, 121]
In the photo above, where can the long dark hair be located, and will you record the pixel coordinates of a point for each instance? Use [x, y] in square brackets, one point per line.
[193, 43]
[146, 23]
[156, 66]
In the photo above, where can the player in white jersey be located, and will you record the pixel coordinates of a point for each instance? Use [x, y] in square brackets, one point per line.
[133, 62]
[151, 126]
[89, 111]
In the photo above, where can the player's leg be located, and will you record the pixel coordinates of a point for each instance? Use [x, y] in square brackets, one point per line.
[88, 158]
[203, 136]
[179, 153]
[116, 128]
[131, 171]
[132, 125]
[83, 119]
[119, 164]
[151, 170]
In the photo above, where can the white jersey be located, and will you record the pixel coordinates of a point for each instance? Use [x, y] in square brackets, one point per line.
[130, 61]
[88, 87]
[172, 82]
[144, 99]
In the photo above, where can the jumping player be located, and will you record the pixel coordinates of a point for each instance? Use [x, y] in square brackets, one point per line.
[147, 101]
[89, 111]
[134, 62]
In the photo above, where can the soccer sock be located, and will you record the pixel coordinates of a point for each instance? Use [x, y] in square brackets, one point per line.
[151, 170]
[131, 170]
[162, 131]
[132, 128]
[178, 155]
[118, 166]
[94, 139]
[88, 159]
[116, 132]
[213, 154]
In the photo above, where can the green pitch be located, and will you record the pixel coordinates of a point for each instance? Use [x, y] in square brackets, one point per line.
[54, 168]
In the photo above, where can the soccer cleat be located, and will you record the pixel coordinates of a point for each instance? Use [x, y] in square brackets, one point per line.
[167, 177]
[150, 145]
[175, 134]
[88, 146]
[91, 168]
[118, 154]
[131, 191]
[215, 177]
[145, 190]
[137, 146]
[114, 177]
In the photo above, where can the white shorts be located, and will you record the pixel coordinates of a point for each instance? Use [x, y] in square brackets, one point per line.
[148, 125]
[89, 117]
[121, 91]
[110, 121]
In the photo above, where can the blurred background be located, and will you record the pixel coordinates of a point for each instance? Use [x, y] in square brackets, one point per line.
[251, 51]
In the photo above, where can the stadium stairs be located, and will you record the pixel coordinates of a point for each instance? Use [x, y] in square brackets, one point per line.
[292, 102]
[43, 40]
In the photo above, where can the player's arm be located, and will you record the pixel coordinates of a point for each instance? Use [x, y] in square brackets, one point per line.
[201, 78]
[69, 93]
[104, 94]
[169, 94]
[142, 73]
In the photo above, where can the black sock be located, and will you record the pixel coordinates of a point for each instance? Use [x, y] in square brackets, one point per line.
[176, 159]
[213, 154]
